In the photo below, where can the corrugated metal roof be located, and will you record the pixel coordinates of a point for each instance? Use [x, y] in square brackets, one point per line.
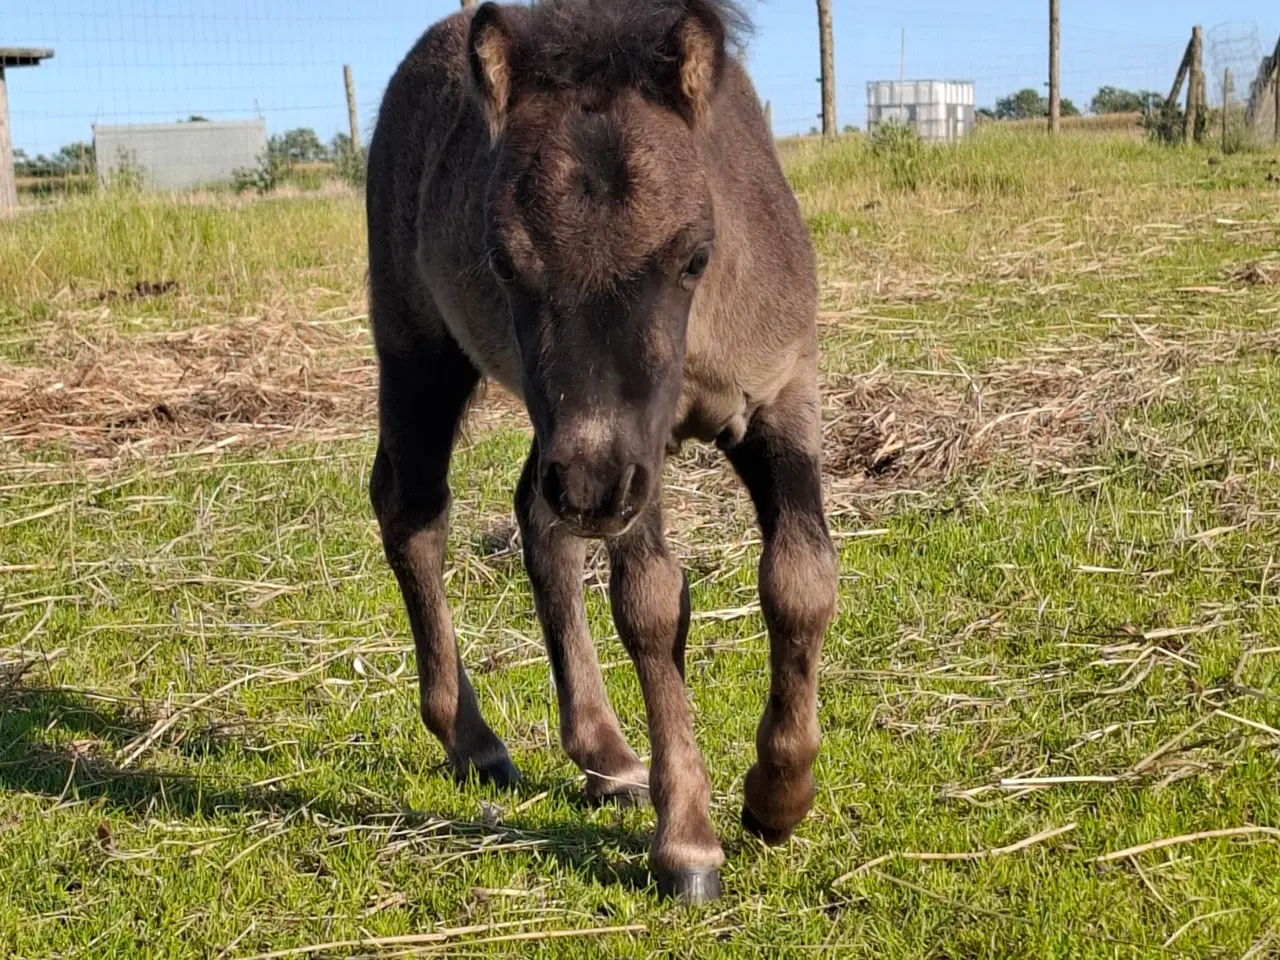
[23, 56]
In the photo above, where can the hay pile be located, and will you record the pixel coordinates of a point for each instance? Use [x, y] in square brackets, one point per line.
[255, 380]
[1055, 406]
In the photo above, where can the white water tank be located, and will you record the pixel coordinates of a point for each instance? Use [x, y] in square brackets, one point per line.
[936, 109]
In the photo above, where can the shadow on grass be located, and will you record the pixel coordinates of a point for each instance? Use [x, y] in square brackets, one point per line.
[31, 762]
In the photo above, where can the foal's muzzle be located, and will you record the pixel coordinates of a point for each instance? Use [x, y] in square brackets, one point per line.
[594, 498]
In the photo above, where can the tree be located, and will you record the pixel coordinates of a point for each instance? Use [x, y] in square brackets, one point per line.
[1118, 100]
[340, 145]
[297, 146]
[1028, 104]
[67, 160]
[349, 163]
[1023, 105]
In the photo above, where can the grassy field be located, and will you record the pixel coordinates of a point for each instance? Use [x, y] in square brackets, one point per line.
[1051, 697]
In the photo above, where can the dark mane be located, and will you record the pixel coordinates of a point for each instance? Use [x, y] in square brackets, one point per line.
[608, 45]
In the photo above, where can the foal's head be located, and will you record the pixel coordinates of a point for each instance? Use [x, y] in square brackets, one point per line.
[600, 227]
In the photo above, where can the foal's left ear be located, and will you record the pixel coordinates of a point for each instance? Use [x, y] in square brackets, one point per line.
[490, 51]
[702, 58]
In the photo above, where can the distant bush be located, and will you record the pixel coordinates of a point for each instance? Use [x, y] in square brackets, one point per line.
[263, 178]
[308, 179]
[900, 148]
[350, 165]
[299, 158]
[1168, 125]
[1239, 137]
[895, 139]
[126, 175]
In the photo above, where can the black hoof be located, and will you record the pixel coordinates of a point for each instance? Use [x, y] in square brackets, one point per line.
[624, 791]
[624, 798]
[757, 829]
[498, 772]
[628, 799]
[690, 887]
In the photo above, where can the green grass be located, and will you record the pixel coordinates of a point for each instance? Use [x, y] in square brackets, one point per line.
[1111, 614]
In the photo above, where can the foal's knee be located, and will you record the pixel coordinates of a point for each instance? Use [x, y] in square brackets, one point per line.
[798, 581]
[406, 512]
[650, 604]
[381, 481]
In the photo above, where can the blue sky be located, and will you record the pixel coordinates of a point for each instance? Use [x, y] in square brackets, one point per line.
[150, 60]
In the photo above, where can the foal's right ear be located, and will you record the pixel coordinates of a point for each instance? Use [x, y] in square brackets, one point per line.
[490, 49]
[702, 57]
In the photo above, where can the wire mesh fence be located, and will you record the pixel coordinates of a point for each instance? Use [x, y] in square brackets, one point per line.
[1235, 61]
[144, 62]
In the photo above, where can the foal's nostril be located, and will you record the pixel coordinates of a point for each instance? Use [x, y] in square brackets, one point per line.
[632, 491]
[620, 502]
[552, 485]
[571, 488]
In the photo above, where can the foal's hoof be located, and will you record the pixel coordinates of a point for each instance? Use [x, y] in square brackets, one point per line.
[626, 791]
[769, 835]
[690, 887]
[624, 798]
[497, 771]
[500, 773]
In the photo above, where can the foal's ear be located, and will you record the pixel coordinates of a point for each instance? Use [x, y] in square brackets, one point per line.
[490, 50]
[702, 58]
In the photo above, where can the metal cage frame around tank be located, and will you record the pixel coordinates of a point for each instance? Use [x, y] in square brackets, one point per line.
[939, 110]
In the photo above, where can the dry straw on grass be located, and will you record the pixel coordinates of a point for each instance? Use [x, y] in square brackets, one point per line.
[1055, 406]
[261, 381]
[258, 382]
[253, 382]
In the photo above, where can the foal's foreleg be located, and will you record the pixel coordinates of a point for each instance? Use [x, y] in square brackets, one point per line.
[420, 401]
[589, 729]
[778, 460]
[650, 599]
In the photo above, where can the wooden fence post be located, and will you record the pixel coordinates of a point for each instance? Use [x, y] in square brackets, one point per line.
[8, 179]
[1275, 88]
[1195, 89]
[1226, 106]
[12, 57]
[826, 43]
[1055, 85]
[1171, 101]
[353, 117]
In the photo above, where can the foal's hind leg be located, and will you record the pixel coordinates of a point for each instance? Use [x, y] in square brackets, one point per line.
[422, 394]
[650, 599]
[778, 460]
[588, 726]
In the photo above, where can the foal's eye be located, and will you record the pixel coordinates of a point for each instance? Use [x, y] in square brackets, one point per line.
[501, 266]
[698, 265]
